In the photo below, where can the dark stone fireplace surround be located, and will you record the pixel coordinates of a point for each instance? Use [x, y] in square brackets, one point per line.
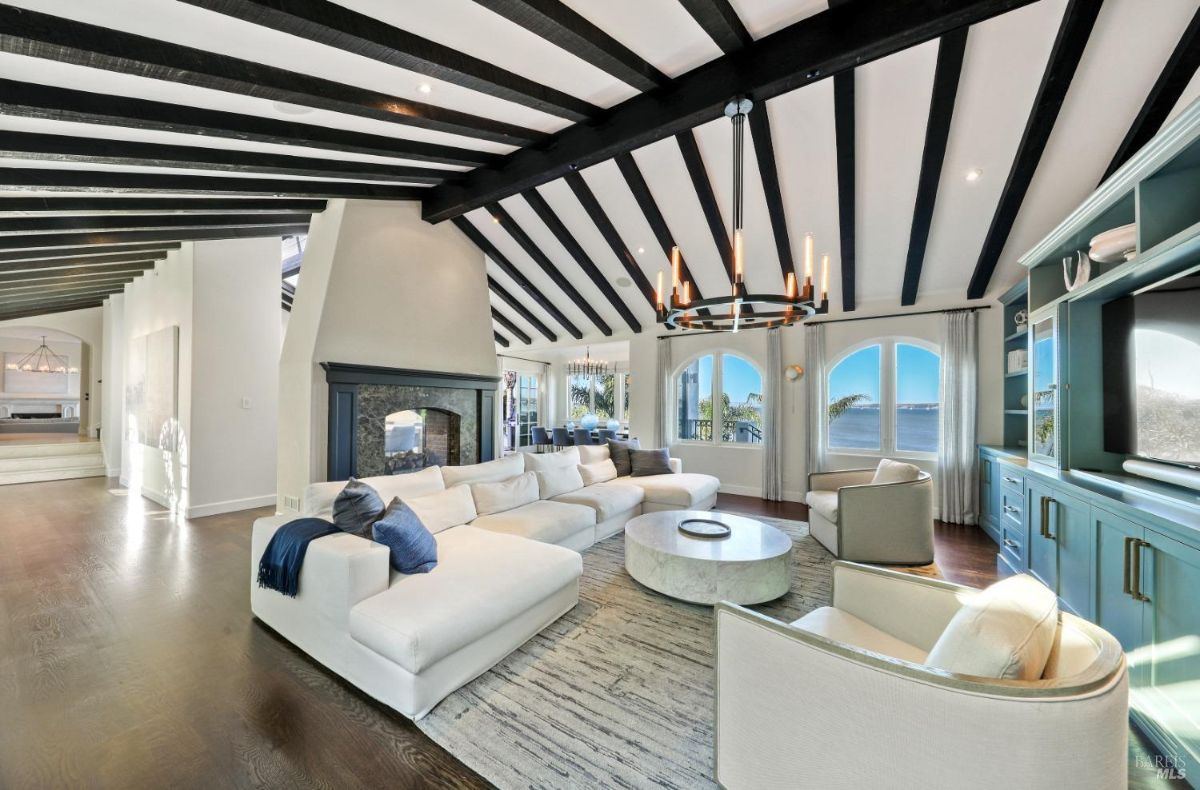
[362, 396]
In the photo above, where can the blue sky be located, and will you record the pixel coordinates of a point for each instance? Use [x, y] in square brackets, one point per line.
[917, 373]
[740, 378]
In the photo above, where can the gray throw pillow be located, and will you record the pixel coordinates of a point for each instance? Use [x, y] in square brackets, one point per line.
[411, 546]
[618, 451]
[356, 508]
[650, 462]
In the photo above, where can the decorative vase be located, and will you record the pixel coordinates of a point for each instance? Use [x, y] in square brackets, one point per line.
[613, 425]
[589, 421]
[1021, 318]
[570, 425]
[1083, 270]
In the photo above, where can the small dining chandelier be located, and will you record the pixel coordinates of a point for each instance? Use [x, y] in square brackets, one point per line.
[741, 309]
[587, 366]
[42, 360]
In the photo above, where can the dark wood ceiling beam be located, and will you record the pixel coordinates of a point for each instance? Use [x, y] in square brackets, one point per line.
[520, 309]
[39, 35]
[654, 218]
[17, 289]
[721, 22]
[289, 290]
[66, 274]
[501, 339]
[573, 248]
[505, 265]
[937, 133]
[561, 26]
[1069, 45]
[708, 199]
[291, 265]
[504, 321]
[844, 124]
[108, 182]
[91, 255]
[47, 102]
[50, 308]
[522, 239]
[596, 213]
[48, 240]
[768, 171]
[113, 206]
[1171, 82]
[22, 300]
[800, 54]
[90, 150]
[146, 222]
[337, 26]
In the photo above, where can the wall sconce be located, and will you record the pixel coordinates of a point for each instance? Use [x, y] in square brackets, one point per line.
[794, 372]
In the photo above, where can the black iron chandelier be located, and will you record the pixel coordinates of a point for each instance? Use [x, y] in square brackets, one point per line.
[42, 360]
[587, 366]
[741, 309]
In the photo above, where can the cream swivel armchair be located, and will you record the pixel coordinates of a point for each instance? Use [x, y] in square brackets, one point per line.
[841, 698]
[882, 515]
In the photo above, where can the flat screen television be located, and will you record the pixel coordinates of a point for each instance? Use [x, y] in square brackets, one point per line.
[1152, 373]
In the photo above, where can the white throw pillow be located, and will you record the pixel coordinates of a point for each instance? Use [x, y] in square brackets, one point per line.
[486, 472]
[592, 453]
[536, 462]
[498, 497]
[1005, 631]
[559, 480]
[445, 509]
[895, 472]
[598, 472]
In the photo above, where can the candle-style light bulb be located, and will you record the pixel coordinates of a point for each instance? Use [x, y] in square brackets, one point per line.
[675, 267]
[687, 292]
[658, 292]
[738, 275]
[824, 277]
[808, 256]
[791, 285]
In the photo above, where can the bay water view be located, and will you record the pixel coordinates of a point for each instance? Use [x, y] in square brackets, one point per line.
[917, 428]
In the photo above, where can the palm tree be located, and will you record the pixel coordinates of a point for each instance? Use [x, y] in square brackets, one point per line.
[840, 406]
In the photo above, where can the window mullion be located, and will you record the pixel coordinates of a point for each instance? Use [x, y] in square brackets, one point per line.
[718, 420]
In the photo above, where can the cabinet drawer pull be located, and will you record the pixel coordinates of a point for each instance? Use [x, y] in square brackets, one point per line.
[1012, 480]
[1136, 583]
[1126, 586]
[1012, 544]
[1010, 509]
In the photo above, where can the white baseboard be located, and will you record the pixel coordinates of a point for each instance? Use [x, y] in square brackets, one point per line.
[231, 506]
[756, 491]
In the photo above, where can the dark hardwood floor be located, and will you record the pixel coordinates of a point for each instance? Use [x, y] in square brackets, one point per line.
[129, 657]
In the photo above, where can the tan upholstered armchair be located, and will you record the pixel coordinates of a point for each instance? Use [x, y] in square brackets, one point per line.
[863, 521]
[841, 699]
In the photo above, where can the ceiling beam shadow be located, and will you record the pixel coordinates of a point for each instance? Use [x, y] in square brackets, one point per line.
[520, 309]
[552, 221]
[36, 241]
[62, 40]
[558, 24]
[518, 234]
[339, 27]
[595, 211]
[107, 182]
[809, 50]
[937, 132]
[721, 22]
[1069, 45]
[91, 150]
[506, 266]
[503, 320]
[1171, 82]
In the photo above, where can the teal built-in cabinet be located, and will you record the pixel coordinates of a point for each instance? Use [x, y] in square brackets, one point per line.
[1119, 550]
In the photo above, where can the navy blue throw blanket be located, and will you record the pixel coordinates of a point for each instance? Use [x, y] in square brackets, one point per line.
[279, 568]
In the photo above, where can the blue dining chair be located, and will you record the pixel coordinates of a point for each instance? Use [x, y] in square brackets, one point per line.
[560, 437]
[539, 438]
[604, 435]
[583, 436]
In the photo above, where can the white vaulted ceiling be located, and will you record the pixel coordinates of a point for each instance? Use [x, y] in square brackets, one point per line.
[1005, 62]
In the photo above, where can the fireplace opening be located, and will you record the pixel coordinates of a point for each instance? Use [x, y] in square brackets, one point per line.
[417, 438]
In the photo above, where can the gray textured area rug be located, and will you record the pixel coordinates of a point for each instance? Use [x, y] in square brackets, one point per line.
[616, 693]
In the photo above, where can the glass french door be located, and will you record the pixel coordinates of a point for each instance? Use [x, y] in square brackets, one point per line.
[527, 408]
[1044, 430]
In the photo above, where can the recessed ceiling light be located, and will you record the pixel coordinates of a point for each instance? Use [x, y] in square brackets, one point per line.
[291, 109]
[624, 282]
[641, 250]
[425, 87]
[974, 174]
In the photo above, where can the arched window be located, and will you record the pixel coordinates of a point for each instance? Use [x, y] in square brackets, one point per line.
[885, 399]
[735, 385]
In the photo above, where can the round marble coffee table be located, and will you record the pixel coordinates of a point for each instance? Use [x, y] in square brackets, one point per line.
[751, 565]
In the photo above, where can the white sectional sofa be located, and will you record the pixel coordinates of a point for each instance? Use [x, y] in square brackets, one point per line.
[408, 641]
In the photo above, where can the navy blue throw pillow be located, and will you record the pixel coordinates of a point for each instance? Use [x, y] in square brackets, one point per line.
[356, 508]
[413, 549]
[618, 451]
[650, 462]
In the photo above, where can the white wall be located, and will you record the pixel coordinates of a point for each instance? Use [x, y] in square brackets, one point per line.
[380, 287]
[87, 326]
[113, 377]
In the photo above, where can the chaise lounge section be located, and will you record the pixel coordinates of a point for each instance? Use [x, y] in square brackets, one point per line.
[410, 640]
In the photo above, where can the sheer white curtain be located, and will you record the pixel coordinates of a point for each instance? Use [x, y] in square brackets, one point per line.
[957, 457]
[662, 392]
[772, 488]
[817, 395]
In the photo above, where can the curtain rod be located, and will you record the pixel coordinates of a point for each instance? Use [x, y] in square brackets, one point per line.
[969, 309]
[523, 359]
